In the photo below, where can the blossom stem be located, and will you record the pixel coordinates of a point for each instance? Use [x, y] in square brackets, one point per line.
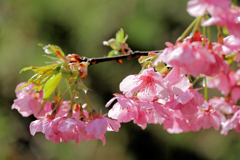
[219, 30]
[56, 107]
[205, 89]
[85, 96]
[188, 29]
[197, 24]
[70, 92]
[195, 81]
[135, 54]
[209, 34]
[204, 36]
[74, 94]
[79, 100]
[87, 100]
[70, 109]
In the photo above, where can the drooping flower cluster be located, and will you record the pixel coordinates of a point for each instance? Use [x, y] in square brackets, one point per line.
[58, 125]
[151, 97]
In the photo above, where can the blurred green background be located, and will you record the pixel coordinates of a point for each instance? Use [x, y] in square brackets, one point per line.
[79, 26]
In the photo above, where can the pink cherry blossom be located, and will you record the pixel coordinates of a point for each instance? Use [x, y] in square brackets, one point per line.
[22, 106]
[199, 7]
[140, 117]
[177, 123]
[208, 118]
[177, 83]
[122, 114]
[25, 91]
[72, 129]
[230, 44]
[221, 105]
[188, 103]
[228, 17]
[97, 127]
[153, 117]
[148, 84]
[222, 82]
[166, 51]
[193, 58]
[41, 125]
[29, 101]
[112, 125]
[157, 105]
[231, 123]
[227, 84]
[54, 135]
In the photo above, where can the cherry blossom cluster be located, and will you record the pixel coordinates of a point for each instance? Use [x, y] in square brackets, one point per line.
[169, 97]
[59, 125]
[164, 92]
[222, 13]
[151, 97]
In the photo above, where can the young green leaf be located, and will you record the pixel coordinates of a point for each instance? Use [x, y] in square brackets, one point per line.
[51, 85]
[120, 36]
[26, 68]
[23, 86]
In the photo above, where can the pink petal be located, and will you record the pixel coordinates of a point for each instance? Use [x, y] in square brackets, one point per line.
[113, 125]
[97, 127]
[22, 106]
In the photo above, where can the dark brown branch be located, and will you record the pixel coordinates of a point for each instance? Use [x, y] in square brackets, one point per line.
[135, 54]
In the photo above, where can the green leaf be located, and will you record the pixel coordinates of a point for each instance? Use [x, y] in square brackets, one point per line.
[46, 68]
[26, 68]
[23, 86]
[120, 36]
[41, 69]
[51, 85]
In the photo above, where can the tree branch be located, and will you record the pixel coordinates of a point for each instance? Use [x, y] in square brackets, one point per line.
[135, 54]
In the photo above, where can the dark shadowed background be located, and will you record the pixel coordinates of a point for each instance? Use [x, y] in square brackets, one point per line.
[79, 26]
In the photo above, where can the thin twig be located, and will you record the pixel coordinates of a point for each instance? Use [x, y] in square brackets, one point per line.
[135, 54]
